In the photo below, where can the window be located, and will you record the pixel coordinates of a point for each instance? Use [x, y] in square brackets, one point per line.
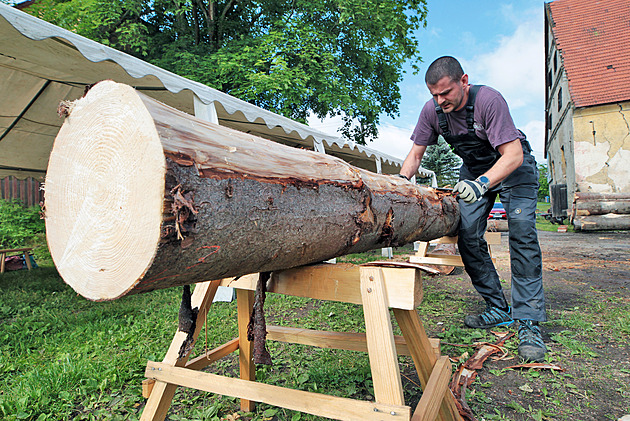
[555, 61]
[559, 99]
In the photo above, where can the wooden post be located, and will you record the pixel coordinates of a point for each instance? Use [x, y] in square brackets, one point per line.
[245, 303]
[424, 360]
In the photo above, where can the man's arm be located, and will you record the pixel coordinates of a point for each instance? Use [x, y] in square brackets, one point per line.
[412, 162]
[471, 191]
[511, 159]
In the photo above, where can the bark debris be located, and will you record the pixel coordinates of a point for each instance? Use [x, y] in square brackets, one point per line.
[257, 329]
[187, 321]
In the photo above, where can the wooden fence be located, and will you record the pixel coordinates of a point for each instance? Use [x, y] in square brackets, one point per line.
[28, 191]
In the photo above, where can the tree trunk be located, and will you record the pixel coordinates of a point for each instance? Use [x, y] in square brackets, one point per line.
[140, 196]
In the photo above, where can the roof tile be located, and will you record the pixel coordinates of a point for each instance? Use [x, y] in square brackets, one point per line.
[593, 37]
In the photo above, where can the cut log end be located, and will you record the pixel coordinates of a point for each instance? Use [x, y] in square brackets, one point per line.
[104, 193]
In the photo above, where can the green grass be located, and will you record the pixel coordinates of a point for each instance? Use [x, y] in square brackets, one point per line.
[63, 357]
[62, 354]
[542, 224]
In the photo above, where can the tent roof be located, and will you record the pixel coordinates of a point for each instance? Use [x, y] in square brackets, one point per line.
[42, 64]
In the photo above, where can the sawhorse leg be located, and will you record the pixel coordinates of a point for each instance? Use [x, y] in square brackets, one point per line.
[245, 303]
[434, 373]
[380, 338]
[162, 393]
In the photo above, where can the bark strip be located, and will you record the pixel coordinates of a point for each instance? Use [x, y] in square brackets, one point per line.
[257, 328]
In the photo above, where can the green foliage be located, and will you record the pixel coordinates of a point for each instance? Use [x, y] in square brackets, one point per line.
[19, 225]
[543, 190]
[293, 57]
[441, 159]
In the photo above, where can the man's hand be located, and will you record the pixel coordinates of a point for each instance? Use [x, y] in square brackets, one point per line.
[470, 190]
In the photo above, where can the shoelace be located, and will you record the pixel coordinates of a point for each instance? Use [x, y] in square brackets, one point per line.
[493, 315]
[529, 332]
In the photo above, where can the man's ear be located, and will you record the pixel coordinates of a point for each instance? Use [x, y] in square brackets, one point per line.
[464, 79]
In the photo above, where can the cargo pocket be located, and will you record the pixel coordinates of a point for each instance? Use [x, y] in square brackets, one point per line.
[523, 202]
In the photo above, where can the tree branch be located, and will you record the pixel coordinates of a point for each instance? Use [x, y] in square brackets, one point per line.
[227, 8]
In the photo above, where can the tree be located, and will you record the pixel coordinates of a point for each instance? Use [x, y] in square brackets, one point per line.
[441, 159]
[543, 190]
[292, 57]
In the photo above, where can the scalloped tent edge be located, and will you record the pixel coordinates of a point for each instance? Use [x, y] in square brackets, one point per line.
[42, 64]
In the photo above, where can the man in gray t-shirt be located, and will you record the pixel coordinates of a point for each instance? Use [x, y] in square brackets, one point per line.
[476, 122]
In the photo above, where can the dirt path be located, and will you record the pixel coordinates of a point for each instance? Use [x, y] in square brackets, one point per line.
[587, 287]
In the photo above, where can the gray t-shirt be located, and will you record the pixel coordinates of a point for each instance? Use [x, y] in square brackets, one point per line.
[492, 121]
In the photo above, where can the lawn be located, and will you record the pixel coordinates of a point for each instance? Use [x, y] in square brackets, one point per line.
[63, 357]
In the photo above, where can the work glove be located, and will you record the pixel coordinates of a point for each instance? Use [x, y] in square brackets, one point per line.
[402, 176]
[470, 190]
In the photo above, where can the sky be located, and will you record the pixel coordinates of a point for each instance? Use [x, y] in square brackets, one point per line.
[500, 43]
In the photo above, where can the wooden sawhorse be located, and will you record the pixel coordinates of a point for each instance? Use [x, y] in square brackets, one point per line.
[423, 256]
[377, 288]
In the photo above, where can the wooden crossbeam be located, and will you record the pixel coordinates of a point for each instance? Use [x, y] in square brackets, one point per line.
[423, 256]
[335, 340]
[298, 400]
[213, 355]
[338, 282]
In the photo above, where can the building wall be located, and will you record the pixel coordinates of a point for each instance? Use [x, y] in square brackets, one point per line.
[602, 159]
[559, 111]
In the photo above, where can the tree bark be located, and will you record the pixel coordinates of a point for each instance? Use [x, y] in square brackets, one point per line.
[140, 196]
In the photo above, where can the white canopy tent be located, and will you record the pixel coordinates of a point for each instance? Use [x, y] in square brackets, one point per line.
[42, 64]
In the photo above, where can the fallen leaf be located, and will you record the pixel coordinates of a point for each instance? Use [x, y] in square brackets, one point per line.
[526, 388]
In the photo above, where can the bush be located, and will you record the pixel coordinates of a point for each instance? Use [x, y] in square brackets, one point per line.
[19, 225]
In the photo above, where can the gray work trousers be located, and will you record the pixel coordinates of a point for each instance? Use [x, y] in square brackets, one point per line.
[518, 194]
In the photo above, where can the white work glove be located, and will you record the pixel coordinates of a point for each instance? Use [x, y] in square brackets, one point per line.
[471, 190]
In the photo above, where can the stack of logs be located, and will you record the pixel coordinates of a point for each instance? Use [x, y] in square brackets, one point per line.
[601, 211]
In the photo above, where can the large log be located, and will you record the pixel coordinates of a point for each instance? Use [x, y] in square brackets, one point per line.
[140, 196]
[585, 208]
[609, 221]
[587, 196]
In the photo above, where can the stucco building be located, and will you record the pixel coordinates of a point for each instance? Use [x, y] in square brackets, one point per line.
[587, 142]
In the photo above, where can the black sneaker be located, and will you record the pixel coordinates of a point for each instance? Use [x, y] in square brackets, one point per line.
[531, 346]
[492, 317]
